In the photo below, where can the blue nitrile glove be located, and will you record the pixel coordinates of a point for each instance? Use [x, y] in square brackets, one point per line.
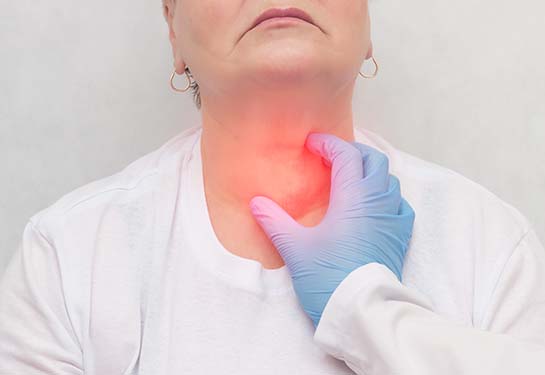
[367, 221]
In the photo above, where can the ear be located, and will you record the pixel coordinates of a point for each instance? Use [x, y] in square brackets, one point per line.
[168, 13]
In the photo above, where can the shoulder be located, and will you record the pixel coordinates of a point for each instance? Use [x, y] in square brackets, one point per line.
[133, 182]
[446, 197]
[464, 235]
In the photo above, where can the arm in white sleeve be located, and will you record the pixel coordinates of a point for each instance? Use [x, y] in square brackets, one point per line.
[378, 326]
[36, 335]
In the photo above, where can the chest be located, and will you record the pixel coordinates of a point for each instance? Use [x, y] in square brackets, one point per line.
[197, 324]
[213, 328]
[192, 322]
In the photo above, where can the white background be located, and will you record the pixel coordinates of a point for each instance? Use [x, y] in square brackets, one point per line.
[84, 91]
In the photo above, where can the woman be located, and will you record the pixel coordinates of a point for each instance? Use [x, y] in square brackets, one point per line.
[162, 268]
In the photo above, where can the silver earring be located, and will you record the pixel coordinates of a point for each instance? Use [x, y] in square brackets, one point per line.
[376, 70]
[172, 83]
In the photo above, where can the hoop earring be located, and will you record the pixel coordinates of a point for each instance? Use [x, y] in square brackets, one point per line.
[172, 83]
[376, 70]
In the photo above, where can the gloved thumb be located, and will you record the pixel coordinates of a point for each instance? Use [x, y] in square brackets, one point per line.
[275, 222]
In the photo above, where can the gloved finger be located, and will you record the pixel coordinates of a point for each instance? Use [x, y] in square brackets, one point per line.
[407, 213]
[345, 159]
[277, 224]
[405, 223]
[394, 189]
[375, 169]
[386, 202]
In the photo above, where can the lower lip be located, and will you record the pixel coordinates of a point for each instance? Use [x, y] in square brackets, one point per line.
[281, 21]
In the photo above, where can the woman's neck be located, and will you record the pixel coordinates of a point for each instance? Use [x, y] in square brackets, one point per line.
[269, 158]
[261, 151]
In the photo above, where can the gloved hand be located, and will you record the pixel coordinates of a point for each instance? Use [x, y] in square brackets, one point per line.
[367, 221]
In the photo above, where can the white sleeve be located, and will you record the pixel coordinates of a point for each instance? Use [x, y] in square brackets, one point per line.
[36, 335]
[379, 326]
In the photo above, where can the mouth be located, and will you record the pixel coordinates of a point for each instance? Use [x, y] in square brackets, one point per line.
[286, 12]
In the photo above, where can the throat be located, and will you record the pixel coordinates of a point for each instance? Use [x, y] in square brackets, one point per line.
[300, 186]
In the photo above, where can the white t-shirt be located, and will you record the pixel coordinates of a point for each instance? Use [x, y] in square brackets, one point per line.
[126, 276]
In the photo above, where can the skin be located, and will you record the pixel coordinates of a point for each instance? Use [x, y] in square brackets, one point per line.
[262, 92]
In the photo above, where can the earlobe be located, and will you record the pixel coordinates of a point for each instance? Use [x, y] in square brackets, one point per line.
[179, 65]
[370, 51]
